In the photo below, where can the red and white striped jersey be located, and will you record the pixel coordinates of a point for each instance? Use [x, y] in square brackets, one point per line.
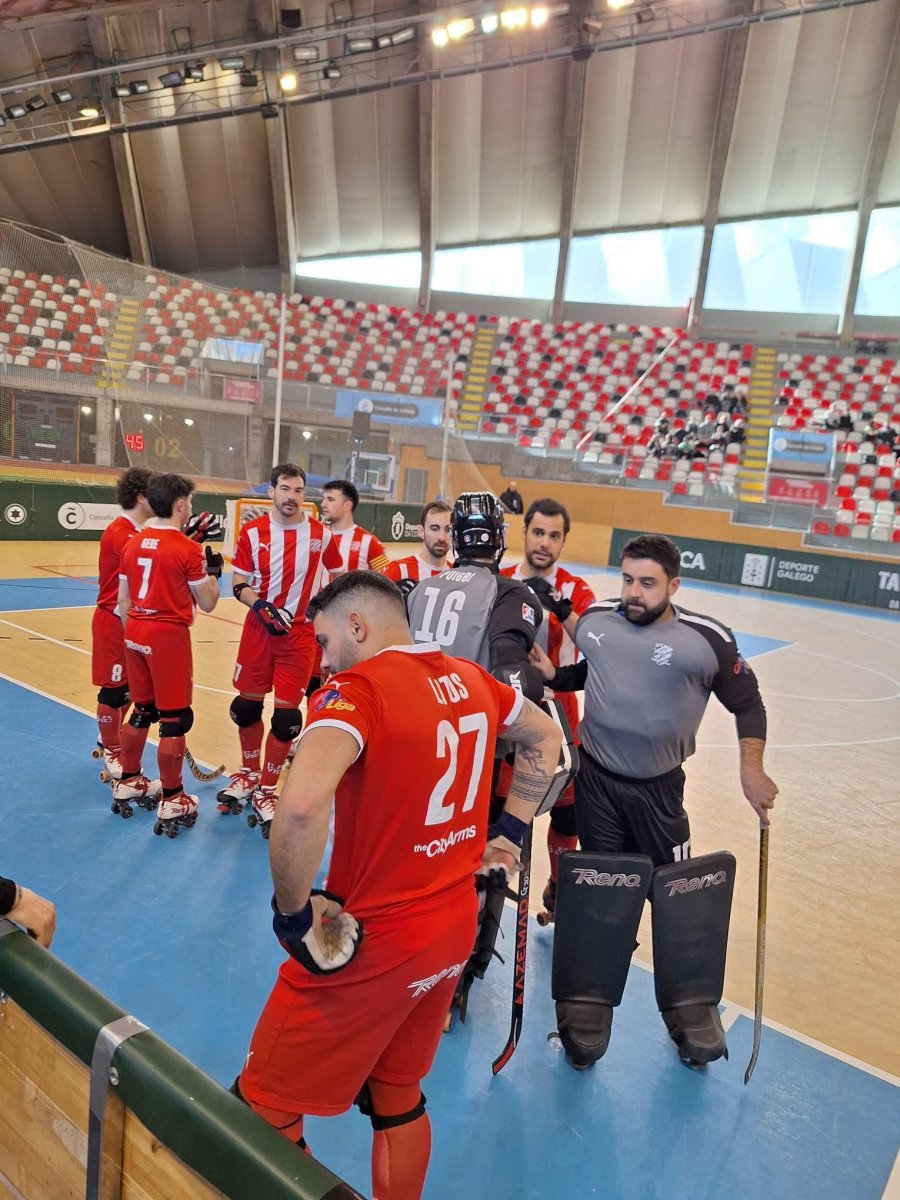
[360, 550]
[283, 561]
[551, 636]
[413, 568]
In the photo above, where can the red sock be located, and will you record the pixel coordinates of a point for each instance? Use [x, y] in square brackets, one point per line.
[251, 742]
[557, 844]
[273, 760]
[109, 723]
[399, 1155]
[170, 756]
[133, 742]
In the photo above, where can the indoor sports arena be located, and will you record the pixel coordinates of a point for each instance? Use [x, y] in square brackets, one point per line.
[638, 258]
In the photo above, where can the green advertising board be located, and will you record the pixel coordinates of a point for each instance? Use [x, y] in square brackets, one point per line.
[797, 572]
[68, 512]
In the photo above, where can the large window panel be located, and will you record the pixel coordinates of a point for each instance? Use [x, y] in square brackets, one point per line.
[782, 264]
[879, 280]
[656, 267]
[402, 270]
[525, 270]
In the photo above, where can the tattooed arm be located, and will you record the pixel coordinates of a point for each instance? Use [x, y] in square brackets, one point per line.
[537, 740]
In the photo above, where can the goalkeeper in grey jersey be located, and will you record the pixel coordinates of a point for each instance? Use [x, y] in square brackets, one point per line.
[648, 671]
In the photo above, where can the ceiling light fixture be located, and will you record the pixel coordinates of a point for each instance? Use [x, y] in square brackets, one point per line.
[439, 36]
[287, 81]
[331, 71]
[383, 41]
[193, 72]
[35, 103]
[233, 62]
[249, 79]
[139, 87]
[305, 53]
[514, 18]
[407, 34]
[171, 79]
[490, 23]
[15, 111]
[63, 96]
[120, 90]
[539, 16]
[359, 45]
[460, 28]
[89, 111]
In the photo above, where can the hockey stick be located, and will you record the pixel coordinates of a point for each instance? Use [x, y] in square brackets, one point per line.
[518, 996]
[760, 947]
[198, 772]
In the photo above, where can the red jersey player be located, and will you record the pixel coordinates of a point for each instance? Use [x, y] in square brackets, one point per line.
[276, 563]
[432, 558]
[546, 529]
[164, 576]
[360, 550]
[401, 739]
[107, 644]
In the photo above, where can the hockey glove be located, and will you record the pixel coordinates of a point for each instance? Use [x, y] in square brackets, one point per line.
[204, 527]
[505, 835]
[551, 600]
[214, 562]
[321, 936]
[274, 620]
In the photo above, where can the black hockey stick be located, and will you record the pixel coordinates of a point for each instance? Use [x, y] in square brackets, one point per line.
[518, 996]
[198, 772]
[760, 947]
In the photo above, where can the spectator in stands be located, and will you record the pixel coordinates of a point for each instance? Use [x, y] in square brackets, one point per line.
[687, 445]
[511, 499]
[872, 431]
[706, 430]
[670, 446]
[737, 407]
[736, 433]
[713, 401]
[785, 396]
[661, 425]
[888, 435]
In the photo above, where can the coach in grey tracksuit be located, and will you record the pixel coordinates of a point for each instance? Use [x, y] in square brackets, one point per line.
[647, 673]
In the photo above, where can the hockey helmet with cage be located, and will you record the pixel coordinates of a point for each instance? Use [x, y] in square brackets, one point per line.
[477, 526]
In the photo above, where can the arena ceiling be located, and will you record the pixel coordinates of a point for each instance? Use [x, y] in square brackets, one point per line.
[669, 112]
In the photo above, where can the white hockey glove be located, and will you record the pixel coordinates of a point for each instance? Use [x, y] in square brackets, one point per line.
[320, 936]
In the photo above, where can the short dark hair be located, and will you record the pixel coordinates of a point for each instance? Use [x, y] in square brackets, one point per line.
[657, 547]
[356, 583]
[548, 508]
[131, 484]
[346, 487]
[286, 471]
[164, 490]
[433, 506]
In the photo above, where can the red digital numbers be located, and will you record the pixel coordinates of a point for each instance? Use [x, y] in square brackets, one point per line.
[134, 441]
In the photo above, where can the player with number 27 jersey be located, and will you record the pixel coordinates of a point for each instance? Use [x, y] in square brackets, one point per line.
[417, 715]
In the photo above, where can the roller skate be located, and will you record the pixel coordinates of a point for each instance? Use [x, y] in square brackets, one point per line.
[174, 811]
[548, 914]
[112, 767]
[262, 805]
[137, 790]
[242, 784]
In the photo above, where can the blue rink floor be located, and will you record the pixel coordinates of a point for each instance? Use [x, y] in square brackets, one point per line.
[178, 933]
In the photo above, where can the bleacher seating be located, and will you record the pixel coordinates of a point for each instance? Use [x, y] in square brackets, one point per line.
[53, 324]
[864, 501]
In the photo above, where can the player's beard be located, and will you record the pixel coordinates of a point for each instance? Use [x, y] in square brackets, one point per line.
[287, 509]
[641, 615]
[537, 564]
[439, 548]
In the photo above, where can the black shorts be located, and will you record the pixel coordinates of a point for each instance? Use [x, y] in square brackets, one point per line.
[616, 815]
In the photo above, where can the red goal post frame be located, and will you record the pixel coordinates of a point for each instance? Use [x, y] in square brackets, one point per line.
[246, 508]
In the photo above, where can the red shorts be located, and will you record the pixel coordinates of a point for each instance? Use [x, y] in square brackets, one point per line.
[107, 650]
[158, 662]
[319, 1038]
[264, 661]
